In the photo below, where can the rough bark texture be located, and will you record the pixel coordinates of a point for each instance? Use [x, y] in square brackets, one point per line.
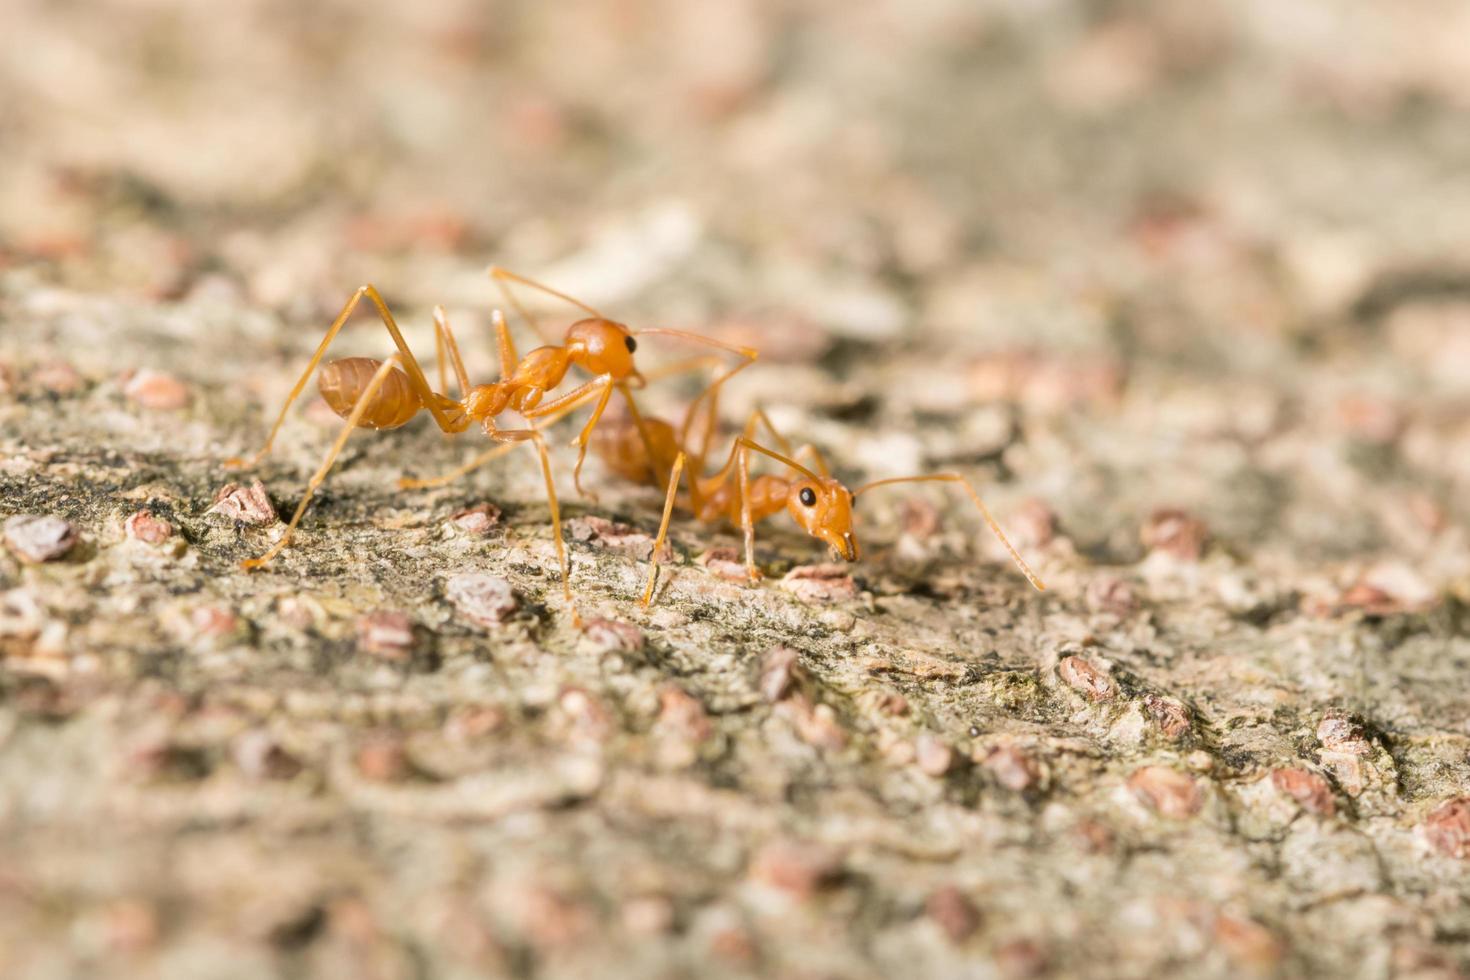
[1183, 288]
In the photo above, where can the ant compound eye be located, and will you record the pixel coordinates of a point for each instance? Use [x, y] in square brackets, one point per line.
[808, 497]
[632, 344]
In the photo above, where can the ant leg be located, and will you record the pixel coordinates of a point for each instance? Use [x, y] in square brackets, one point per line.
[600, 386]
[445, 344]
[642, 428]
[416, 378]
[712, 392]
[747, 524]
[505, 346]
[358, 410]
[586, 434]
[979, 504]
[409, 483]
[805, 448]
[534, 437]
[663, 527]
[444, 337]
[504, 277]
[433, 402]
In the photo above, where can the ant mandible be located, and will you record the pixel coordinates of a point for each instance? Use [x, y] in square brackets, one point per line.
[820, 504]
[387, 394]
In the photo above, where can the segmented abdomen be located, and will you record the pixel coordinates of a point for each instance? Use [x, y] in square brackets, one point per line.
[343, 382]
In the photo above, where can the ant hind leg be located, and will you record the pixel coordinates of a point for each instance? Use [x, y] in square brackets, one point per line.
[410, 366]
[358, 410]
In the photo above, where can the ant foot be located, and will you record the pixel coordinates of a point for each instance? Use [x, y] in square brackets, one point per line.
[753, 575]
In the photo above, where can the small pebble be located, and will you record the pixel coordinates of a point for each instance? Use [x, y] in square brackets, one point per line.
[1021, 959]
[386, 634]
[953, 912]
[1083, 677]
[383, 759]
[1110, 594]
[1369, 418]
[1169, 792]
[1448, 828]
[57, 378]
[478, 520]
[246, 504]
[1176, 533]
[550, 919]
[212, 622]
[1171, 716]
[819, 583]
[1012, 768]
[725, 563]
[37, 538]
[604, 636]
[893, 704]
[800, 869]
[933, 755]
[1248, 943]
[482, 598]
[260, 756]
[143, 526]
[613, 536]
[1340, 732]
[1093, 836]
[648, 915]
[780, 673]
[583, 717]
[1310, 791]
[817, 724]
[130, 926]
[683, 714]
[470, 722]
[157, 391]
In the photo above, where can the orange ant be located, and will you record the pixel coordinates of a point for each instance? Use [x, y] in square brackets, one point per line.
[821, 505]
[374, 394]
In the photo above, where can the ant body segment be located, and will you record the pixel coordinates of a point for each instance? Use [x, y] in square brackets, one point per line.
[387, 394]
[820, 504]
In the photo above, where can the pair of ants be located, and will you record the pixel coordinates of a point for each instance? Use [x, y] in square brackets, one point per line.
[386, 394]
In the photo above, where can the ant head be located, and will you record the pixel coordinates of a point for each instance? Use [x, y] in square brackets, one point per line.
[823, 508]
[603, 347]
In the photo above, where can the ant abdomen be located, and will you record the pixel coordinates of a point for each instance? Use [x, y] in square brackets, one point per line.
[342, 383]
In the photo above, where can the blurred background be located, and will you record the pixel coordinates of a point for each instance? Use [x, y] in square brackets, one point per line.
[1186, 286]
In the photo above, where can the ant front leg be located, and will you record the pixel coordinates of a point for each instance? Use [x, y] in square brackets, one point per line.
[600, 387]
[663, 527]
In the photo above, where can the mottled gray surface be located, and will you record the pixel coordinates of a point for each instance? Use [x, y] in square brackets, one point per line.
[1184, 289]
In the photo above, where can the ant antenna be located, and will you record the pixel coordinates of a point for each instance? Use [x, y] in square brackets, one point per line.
[984, 512]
